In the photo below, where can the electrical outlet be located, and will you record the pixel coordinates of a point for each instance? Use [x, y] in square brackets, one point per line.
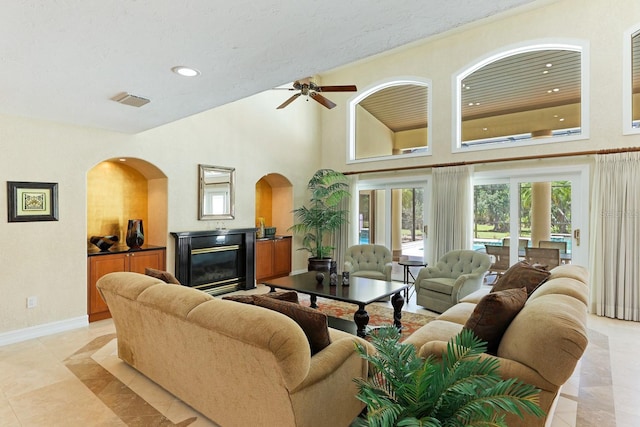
[32, 302]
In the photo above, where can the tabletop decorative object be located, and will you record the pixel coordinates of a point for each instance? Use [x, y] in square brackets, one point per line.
[104, 242]
[135, 234]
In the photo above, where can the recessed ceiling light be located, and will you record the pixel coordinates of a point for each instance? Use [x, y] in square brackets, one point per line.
[123, 160]
[470, 104]
[545, 72]
[555, 89]
[549, 65]
[185, 71]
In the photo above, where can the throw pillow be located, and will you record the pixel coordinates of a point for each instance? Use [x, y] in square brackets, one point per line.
[493, 314]
[291, 296]
[519, 275]
[313, 322]
[165, 276]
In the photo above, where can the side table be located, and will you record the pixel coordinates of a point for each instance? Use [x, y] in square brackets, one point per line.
[407, 274]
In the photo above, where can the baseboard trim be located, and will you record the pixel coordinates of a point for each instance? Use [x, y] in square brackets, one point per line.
[38, 331]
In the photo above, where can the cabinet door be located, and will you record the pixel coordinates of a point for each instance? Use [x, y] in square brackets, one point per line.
[139, 261]
[98, 267]
[264, 259]
[282, 257]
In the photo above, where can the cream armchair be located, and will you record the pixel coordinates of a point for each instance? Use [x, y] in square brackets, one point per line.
[371, 261]
[456, 275]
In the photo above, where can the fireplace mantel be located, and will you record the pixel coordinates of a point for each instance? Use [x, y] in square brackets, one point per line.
[206, 259]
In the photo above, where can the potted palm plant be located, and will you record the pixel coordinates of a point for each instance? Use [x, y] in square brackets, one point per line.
[322, 216]
[461, 389]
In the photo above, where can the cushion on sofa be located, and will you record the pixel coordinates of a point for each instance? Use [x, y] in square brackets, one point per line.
[519, 275]
[314, 323]
[165, 276]
[291, 296]
[493, 314]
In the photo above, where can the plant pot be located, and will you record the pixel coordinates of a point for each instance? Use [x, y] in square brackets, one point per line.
[319, 264]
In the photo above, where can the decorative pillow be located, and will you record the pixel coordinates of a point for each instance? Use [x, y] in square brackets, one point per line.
[493, 314]
[519, 275]
[313, 322]
[291, 296]
[165, 276]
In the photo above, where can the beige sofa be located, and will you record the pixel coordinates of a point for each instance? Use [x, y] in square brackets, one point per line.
[542, 344]
[238, 364]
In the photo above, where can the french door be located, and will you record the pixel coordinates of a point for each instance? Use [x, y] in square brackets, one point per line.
[393, 214]
[522, 209]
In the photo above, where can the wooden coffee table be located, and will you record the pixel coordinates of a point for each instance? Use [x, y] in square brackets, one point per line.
[361, 291]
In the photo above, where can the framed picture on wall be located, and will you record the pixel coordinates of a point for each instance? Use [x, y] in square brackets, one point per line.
[32, 201]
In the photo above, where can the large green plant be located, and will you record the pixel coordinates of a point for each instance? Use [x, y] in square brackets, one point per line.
[322, 216]
[461, 389]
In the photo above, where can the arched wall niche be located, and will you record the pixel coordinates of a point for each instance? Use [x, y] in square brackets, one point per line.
[274, 202]
[120, 189]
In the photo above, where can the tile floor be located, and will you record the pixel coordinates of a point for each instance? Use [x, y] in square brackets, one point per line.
[76, 379]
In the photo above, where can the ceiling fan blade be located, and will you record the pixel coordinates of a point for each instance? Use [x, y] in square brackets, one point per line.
[344, 88]
[288, 101]
[322, 100]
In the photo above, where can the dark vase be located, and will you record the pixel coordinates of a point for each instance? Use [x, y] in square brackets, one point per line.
[135, 234]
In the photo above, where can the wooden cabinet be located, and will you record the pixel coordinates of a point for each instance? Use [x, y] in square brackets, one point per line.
[273, 258]
[100, 263]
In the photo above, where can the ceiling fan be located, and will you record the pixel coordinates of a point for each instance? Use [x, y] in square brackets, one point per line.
[310, 89]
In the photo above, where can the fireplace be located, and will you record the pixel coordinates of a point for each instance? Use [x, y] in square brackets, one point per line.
[216, 261]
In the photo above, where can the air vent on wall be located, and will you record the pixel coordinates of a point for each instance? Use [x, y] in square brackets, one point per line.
[132, 100]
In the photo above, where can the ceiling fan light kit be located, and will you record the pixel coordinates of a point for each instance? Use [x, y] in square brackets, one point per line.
[311, 90]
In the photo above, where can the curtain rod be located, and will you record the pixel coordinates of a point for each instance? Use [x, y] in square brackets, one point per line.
[508, 159]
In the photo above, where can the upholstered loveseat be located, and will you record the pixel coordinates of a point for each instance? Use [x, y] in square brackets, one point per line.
[542, 343]
[238, 364]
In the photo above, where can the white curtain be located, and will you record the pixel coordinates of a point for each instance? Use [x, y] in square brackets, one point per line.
[615, 222]
[342, 236]
[452, 210]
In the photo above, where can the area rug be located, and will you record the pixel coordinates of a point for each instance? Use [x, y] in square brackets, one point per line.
[378, 314]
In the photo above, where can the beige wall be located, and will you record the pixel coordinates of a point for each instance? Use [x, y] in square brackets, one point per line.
[596, 22]
[48, 259]
[414, 138]
[375, 139]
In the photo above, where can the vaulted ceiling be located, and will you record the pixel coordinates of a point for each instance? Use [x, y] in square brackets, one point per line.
[64, 60]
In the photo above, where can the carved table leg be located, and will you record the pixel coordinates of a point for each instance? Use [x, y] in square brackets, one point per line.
[361, 317]
[313, 300]
[397, 301]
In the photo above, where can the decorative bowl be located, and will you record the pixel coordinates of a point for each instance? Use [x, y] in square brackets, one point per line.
[104, 242]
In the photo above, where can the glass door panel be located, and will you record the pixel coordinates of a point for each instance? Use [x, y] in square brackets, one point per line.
[393, 215]
[545, 214]
[540, 211]
[372, 213]
[491, 215]
[408, 223]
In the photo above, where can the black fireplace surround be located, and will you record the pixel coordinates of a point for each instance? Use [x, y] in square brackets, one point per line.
[216, 261]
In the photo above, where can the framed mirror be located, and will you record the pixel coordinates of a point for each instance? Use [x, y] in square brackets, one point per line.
[216, 197]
